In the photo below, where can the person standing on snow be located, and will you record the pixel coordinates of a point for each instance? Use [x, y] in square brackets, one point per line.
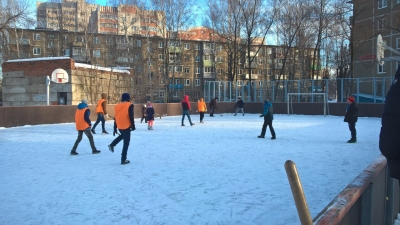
[389, 143]
[144, 114]
[268, 117]
[213, 106]
[124, 121]
[150, 115]
[201, 108]
[185, 110]
[240, 105]
[351, 118]
[101, 110]
[83, 124]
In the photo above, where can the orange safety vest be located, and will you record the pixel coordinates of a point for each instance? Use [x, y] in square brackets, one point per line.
[122, 115]
[80, 122]
[201, 106]
[99, 107]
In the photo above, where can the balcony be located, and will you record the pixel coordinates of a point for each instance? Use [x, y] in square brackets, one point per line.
[253, 65]
[209, 51]
[173, 49]
[176, 86]
[210, 75]
[208, 63]
[77, 44]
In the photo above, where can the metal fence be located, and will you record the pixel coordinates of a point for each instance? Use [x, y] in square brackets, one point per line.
[371, 90]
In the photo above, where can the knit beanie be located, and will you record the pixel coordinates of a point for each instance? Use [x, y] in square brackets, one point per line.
[125, 97]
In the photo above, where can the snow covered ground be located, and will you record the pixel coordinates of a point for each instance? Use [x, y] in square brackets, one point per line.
[218, 172]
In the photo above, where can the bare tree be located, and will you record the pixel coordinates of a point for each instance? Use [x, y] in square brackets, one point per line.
[258, 19]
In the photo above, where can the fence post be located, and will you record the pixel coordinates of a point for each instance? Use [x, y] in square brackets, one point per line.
[374, 89]
[298, 193]
[366, 205]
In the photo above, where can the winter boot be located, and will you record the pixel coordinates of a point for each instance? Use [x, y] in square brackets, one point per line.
[261, 136]
[73, 153]
[352, 140]
[111, 148]
[96, 151]
[105, 132]
[191, 124]
[183, 125]
[125, 162]
[273, 138]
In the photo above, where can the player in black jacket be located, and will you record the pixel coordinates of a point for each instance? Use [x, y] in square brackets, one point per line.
[240, 105]
[351, 118]
[389, 138]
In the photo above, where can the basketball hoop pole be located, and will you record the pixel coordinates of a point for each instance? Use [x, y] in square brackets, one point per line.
[48, 89]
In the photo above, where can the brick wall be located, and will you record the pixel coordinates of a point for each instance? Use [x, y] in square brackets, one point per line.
[38, 68]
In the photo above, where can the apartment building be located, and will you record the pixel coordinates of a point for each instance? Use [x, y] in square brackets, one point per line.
[164, 70]
[371, 18]
[80, 16]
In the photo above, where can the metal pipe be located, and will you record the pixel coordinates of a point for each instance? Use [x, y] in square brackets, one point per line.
[298, 193]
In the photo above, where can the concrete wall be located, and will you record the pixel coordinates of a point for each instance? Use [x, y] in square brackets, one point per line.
[32, 115]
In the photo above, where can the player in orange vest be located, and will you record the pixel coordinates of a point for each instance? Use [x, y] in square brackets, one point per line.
[101, 110]
[124, 121]
[83, 125]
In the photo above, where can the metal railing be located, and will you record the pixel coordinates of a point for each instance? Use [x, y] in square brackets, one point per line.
[372, 90]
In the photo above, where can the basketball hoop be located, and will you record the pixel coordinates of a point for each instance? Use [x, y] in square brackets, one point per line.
[380, 50]
[59, 76]
[368, 61]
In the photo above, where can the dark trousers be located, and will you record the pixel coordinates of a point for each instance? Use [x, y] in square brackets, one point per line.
[212, 111]
[100, 117]
[186, 113]
[144, 118]
[126, 136]
[267, 122]
[79, 139]
[352, 128]
[201, 116]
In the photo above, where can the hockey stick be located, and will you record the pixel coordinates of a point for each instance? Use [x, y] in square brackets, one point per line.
[219, 112]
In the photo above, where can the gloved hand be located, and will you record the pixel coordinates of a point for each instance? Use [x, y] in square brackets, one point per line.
[133, 127]
[107, 116]
[115, 132]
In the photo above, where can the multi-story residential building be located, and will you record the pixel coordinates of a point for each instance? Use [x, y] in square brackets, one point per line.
[80, 16]
[163, 73]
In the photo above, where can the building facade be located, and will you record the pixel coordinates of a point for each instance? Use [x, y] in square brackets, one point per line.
[166, 69]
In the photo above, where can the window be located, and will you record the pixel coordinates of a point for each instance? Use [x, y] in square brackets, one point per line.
[207, 58]
[382, 24]
[382, 4]
[197, 58]
[196, 82]
[67, 52]
[109, 41]
[96, 53]
[209, 69]
[161, 94]
[220, 71]
[240, 83]
[197, 46]
[36, 51]
[177, 81]
[186, 58]
[239, 93]
[398, 42]
[221, 59]
[197, 94]
[269, 72]
[161, 69]
[50, 36]
[381, 69]
[219, 48]
[187, 46]
[80, 39]
[269, 51]
[36, 37]
[260, 72]
[197, 71]
[187, 82]
[176, 94]
[240, 71]
[160, 57]
[96, 40]
[50, 44]
[138, 43]
[187, 70]
[186, 93]
[259, 93]
[65, 38]
[161, 44]
[260, 83]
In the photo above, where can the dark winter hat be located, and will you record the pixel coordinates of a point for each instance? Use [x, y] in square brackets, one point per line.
[351, 99]
[216, 97]
[125, 97]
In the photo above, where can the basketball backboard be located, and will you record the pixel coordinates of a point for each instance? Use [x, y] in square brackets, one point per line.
[380, 50]
[59, 76]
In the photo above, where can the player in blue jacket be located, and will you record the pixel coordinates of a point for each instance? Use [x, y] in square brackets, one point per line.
[268, 115]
